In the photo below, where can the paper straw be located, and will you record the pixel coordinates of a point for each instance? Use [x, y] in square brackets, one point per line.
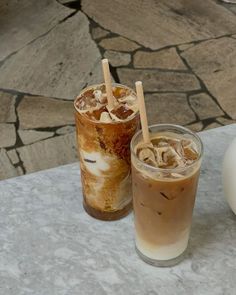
[142, 110]
[107, 79]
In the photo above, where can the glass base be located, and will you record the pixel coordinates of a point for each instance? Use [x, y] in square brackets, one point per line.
[107, 215]
[161, 263]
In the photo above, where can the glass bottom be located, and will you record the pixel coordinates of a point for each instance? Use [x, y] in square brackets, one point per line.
[161, 263]
[107, 215]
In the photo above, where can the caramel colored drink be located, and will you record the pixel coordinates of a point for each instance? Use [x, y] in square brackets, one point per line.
[165, 177]
[103, 137]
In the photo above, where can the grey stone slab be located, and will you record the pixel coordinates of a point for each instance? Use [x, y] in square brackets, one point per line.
[154, 80]
[49, 153]
[225, 121]
[185, 46]
[41, 112]
[12, 155]
[212, 55]
[117, 59]
[156, 24]
[7, 135]
[25, 20]
[118, 44]
[65, 1]
[228, 5]
[7, 110]
[7, 170]
[168, 108]
[212, 125]
[98, 33]
[164, 59]
[204, 106]
[232, 8]
[195, 126]
[49, 245]
[65, 130]
[214, 62]
[30, 136]
[94, 77]
[57, 65]
[222, 86]
[19, 171]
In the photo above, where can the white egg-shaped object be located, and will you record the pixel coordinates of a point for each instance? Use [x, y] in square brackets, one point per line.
[229, 175]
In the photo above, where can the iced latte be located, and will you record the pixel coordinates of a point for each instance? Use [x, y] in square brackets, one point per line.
[104, 137]
[165, 175]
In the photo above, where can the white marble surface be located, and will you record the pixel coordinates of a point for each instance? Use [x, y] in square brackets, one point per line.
[49, 245]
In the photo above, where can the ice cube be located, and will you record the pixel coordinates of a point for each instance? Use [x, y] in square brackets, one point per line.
[190, 153]
[97, 94]
[96, 112]
[147, 155]
[185, 142]
[130, 99]
[86, 103]
[167, 157]
[88, 93]
[176, 175]
[105, 117]
[122, 112]
[160, 151]
[177, 146]
[119, 92]
[189, 150]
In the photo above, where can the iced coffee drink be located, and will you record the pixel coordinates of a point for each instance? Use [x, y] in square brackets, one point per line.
[165, 175]
[104, 136]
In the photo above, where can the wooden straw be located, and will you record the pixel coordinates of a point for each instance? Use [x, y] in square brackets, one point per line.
[142, 110]
[107, 78]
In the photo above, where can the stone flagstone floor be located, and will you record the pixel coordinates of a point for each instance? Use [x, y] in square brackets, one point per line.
[183, 51]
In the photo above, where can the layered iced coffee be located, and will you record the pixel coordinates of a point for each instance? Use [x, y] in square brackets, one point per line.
[165, 175]
[104, 136]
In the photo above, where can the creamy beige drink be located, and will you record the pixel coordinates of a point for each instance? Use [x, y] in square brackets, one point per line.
[104, 136]
[165, 175]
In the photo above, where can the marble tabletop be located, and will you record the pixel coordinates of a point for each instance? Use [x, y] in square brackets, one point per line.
[49, 245]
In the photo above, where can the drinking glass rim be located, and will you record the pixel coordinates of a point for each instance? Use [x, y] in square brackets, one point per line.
[172, 170]
[98, 122]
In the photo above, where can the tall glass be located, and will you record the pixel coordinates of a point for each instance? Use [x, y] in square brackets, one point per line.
[104, 153]
[163, 203]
